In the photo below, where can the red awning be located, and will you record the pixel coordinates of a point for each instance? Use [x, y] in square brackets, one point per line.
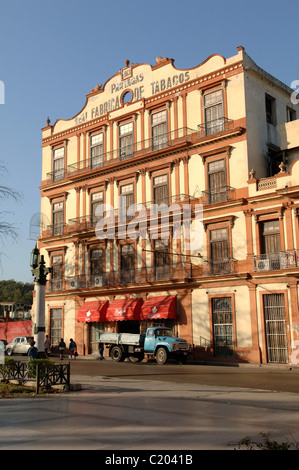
[124, 309]
[159, 307]
[93, 311]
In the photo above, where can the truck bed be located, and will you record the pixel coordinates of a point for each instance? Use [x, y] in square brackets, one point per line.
[121, 338]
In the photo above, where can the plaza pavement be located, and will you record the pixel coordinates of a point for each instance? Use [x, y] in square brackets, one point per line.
[115, 413]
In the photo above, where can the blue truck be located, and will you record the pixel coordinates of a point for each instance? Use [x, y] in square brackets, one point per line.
[158, 342]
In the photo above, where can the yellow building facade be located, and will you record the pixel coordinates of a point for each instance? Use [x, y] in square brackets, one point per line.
[213, 150]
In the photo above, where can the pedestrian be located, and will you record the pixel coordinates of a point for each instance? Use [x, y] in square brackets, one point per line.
[61, 348]
[72, 348]
[101, 351]
[32, 351]
[47, 345]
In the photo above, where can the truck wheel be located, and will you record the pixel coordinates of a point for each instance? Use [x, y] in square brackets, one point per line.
[161, 356]
[117, 354]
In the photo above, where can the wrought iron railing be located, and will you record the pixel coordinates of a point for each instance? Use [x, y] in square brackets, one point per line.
[170, 139]
[217, 195]
[131, 276]
[215, 127]
[44, 375]
[57, 175]
[219, 267]
[174, 138]
[82, 223]
[55, 230]
[275, 261]
[170, 206]
[51, 375]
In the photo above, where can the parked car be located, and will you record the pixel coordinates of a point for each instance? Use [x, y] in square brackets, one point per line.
[3, 344]
[19, 345]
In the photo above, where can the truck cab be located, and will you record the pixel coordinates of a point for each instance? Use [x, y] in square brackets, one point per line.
[161, 342]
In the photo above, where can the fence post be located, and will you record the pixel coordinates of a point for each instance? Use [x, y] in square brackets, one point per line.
[37, 378]
[68, 375]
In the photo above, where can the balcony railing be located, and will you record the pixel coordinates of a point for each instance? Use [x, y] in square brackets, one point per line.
[57, 175]
[219, 267]
[217, 195]
[82, 223]
[123, 277]
[174, 138]
[119, 216]
[147, 274]
[215, 127]
[55, 230]
[275, 261]
[171, 139]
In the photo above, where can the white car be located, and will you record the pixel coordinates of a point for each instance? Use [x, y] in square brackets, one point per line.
[19, 345]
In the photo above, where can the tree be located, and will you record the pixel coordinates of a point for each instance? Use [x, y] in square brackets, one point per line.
[13, 291]
[7, 229]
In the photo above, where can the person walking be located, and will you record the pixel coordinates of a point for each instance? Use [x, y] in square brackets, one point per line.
[72, 348]
[61, 348]
[47, 345]
[32, 351]
[101, 351]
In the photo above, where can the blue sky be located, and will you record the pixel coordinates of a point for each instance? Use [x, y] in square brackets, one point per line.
[52, 53]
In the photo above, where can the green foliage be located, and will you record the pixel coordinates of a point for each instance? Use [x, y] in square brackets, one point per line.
[6, 367]
[42, 362]
[7, 390]
[264, 443]
[13, 291]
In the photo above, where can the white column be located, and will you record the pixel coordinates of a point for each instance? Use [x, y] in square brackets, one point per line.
[39, 331]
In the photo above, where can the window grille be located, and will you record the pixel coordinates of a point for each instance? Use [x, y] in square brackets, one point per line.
[275, 322]
[223, 326]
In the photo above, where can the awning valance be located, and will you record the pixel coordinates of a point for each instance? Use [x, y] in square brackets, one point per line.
[93, 311]
[155, 308]
[124, 309]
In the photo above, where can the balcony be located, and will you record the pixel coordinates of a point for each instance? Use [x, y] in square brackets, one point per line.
[56, 176]
[80, 224]
[155, 145]
[54, 230]
[54, 285]
[172, 139]
[147, 274]
[218, 195]
[275, 261]
[215, 127]
[219, 267]
[158, 213]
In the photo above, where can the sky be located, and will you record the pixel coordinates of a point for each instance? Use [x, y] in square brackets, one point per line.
[52, 53]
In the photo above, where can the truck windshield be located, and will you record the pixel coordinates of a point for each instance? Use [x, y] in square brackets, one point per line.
[164, 333]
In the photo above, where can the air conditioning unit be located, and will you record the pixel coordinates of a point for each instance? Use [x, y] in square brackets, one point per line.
[98, 281]
[263, 265]
[74, 283]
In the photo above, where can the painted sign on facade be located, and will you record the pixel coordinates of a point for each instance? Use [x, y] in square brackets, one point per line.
[130, 90]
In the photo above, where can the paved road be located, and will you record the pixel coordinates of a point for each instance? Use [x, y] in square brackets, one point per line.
[144, 406]
[276, 378]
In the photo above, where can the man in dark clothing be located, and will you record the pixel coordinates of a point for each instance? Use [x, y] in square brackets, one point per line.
[101, 351]
[61, 348]
[32, 351]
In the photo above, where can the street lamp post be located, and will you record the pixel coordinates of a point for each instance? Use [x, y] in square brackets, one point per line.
[40, 272]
